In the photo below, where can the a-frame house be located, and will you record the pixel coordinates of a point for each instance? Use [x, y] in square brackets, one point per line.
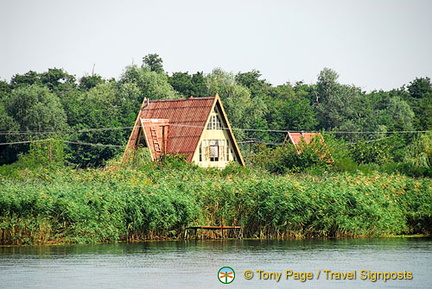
[196, 127]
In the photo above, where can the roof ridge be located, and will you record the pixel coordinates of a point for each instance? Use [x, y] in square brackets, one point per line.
[182, 99]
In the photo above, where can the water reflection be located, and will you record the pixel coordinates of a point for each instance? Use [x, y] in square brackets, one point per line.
[195, 263]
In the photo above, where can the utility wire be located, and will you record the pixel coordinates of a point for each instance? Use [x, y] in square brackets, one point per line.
[21, 142]
[94, 144]
[378, 132]
[178, 125]
[65, 141]
[63, 132]
[196, 126]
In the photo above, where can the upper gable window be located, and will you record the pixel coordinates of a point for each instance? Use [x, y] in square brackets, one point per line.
[214, 123]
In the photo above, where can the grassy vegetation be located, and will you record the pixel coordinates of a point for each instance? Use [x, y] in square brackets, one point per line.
[52, 203]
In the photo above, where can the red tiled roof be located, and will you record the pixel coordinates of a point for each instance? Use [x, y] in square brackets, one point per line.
[296, 137]
[187, 119]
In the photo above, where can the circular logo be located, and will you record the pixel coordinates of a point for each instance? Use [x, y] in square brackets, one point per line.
[226, 275]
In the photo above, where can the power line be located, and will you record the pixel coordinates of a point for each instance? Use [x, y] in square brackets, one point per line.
[196, 126]
[21, 142]
[178, 125]
[378, 132]
[65, 141]
[63, 132]
[94, 144]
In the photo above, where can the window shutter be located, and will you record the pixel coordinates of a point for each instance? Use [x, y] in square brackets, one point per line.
[207, 152]
[221, 153]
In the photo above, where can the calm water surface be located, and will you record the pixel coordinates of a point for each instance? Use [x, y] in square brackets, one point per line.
[195, 264]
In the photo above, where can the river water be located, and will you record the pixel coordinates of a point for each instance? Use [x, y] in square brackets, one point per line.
[353, 263]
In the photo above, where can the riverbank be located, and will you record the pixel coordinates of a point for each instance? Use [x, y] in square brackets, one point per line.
[63, 205]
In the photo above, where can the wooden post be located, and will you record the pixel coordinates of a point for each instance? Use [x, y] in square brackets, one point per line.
[221, 225]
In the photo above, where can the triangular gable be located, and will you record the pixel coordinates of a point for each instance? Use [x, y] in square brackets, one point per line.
[217, 105]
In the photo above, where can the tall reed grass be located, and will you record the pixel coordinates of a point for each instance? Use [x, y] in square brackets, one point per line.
[63, 205]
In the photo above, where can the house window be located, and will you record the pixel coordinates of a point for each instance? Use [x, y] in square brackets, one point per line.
[214, 151]
[214, 123]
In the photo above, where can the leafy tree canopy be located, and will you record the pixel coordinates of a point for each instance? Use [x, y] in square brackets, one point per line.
[154, 62]
[88, 82]
[35, 108]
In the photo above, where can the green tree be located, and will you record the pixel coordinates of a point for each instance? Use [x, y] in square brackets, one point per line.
[380, 109]
[26, 79]
[34, 111]
[5, 89]
[345, 108]
[35, 108]
[260, 93]
[328, 101]
[400, 114]
[296, 111]
[257, 87]
[199, 85]
[243, 111]
[152, 85]
[418, 156]
[44, 153]
[128, 101]
[420, 100]
[99, 119]
[287, 159]
[182, 83]
[189, 85]
[374, 152]
[90, 81]
[8, 154]
[334, 102]
[57, 80]
[327, 85]
[154, 62]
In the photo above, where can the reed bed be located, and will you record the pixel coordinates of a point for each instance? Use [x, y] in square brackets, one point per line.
[64, 205]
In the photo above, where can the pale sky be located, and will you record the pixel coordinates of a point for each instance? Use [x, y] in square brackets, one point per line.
[373, 44]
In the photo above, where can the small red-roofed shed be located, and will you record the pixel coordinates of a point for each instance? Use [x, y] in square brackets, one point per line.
[296, 137]
[302, 139]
